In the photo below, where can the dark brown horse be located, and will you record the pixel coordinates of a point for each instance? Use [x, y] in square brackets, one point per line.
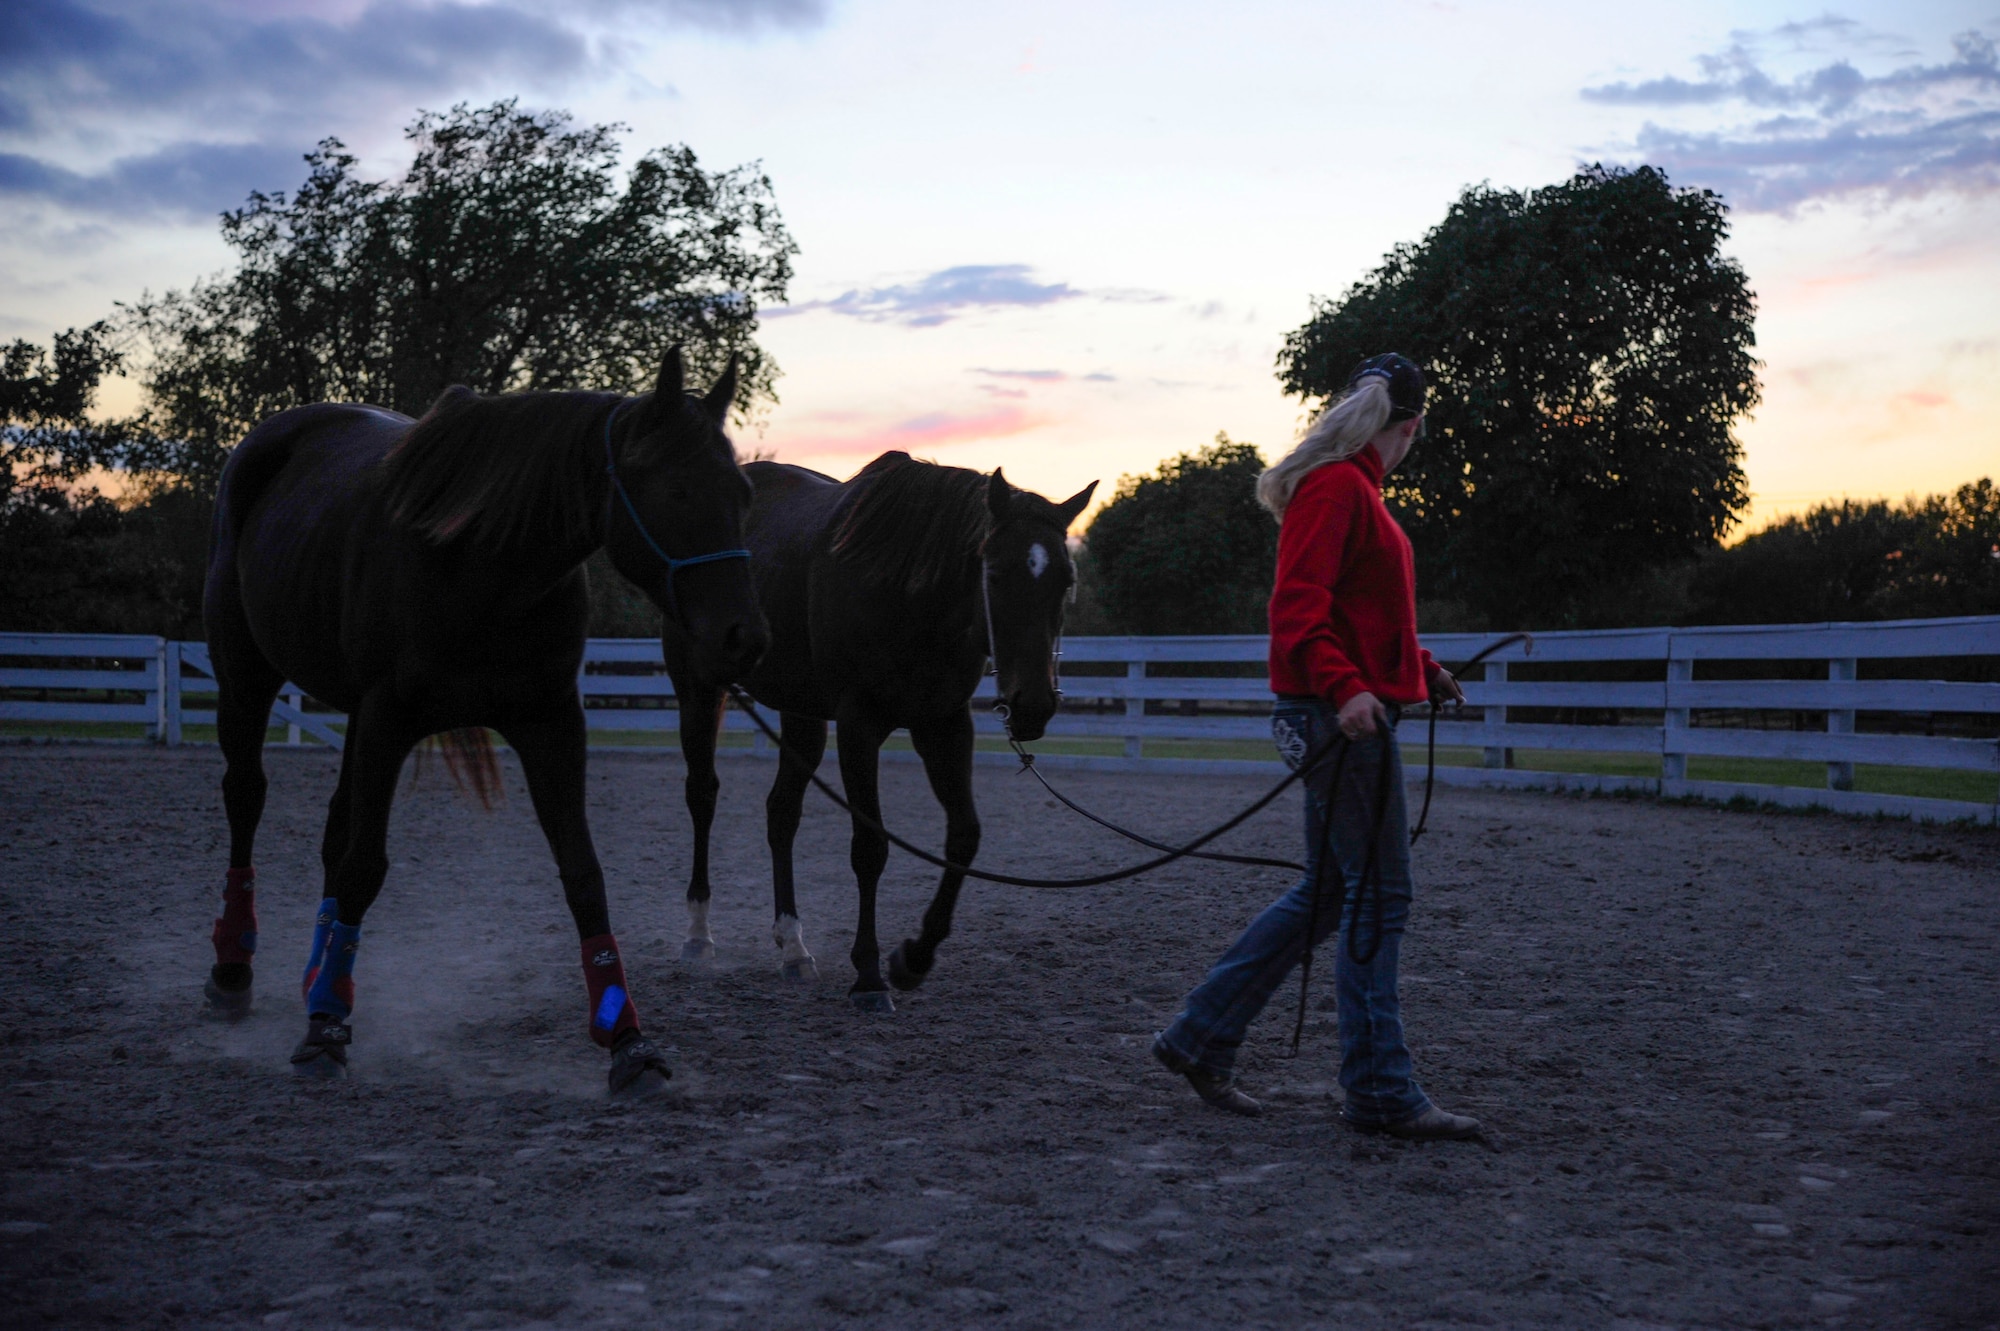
[427, 576]
[886, 596]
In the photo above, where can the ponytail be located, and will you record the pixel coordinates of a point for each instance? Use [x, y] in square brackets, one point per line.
[1338, 433]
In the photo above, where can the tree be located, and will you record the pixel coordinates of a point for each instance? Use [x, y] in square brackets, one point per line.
[1188, 549]
[1861, 560]
[1588, 349]
[72, 560]
[507, 257]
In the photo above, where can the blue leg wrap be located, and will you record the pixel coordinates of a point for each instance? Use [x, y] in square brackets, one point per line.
[332, 992]
[329, 911]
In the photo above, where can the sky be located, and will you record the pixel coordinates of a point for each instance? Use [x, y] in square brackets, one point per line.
[1069, 239]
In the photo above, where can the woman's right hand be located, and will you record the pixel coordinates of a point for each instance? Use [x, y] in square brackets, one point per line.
[1359, 714]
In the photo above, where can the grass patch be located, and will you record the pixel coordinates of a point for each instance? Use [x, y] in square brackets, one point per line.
[1921, 782]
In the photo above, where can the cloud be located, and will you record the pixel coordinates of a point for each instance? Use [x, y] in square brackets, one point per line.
[936, 429]
[739, 16]
[943, 295]
[1034, 376]
[61, 57]
[1832, 130]
[182, 178]
[197, 91]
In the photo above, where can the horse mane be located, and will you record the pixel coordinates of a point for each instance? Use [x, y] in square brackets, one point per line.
[909, 526]
[495, 471]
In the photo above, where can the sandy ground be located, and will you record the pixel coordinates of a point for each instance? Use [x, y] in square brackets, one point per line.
[1739, 1069]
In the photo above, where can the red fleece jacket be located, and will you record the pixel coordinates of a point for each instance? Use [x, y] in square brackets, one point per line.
[1344, 609]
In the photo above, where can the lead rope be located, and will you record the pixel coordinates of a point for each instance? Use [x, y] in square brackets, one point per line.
[1423, 819]
[1371, 867]
[749, 706]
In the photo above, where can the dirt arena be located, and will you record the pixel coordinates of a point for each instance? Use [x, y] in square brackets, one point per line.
[1739, 1070]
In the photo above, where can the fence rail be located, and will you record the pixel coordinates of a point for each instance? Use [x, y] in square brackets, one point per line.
[85, 680]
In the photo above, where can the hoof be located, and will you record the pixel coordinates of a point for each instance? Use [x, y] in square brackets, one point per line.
[229, 1004]
[318, 1069]
[698, 950]
[638, 1070]
[901, 973]
[322, 1055]
[872, 1000]
[799, 970]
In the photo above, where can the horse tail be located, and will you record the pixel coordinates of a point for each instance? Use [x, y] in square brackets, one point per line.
[468, 756]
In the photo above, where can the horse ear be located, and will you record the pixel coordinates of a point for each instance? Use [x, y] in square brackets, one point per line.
[673, 375]
[723, 394]
[999, 495]
[1073, 505]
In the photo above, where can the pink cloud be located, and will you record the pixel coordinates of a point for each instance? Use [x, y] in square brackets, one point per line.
[935, 429]
[1923, 398]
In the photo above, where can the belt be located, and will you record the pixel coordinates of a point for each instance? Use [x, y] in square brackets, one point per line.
[1394, 709]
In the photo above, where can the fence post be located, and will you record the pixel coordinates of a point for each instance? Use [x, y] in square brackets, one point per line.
[1674, 724]
[1135, 744]
[298, 700]
[1840, 776]
[170, 694]
[1495, 717]
[156, 729]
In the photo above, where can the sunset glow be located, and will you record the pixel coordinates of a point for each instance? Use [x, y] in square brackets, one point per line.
[1070, 241]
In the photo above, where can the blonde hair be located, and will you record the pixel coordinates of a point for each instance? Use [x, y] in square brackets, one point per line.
[1336, 434]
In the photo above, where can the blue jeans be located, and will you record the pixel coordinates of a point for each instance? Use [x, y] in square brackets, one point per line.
[1375, 1067]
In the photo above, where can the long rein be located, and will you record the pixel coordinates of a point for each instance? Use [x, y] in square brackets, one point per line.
[1170, 853]
[1192, 849]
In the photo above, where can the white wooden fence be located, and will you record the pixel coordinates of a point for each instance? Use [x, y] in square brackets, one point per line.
[166, 686]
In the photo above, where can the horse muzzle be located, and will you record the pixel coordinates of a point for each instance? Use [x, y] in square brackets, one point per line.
[1027, 713]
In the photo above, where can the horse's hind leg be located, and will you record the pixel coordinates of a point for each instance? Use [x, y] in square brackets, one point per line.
[806, 737]
[701, 705]
[552, 749]
[332, 847]
[860, 761]
[946, 748]
[246, 687]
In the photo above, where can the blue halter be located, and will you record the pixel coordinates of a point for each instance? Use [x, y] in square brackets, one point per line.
[674, 566]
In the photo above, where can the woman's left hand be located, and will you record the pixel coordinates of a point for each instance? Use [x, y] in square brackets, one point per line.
[1445, 689]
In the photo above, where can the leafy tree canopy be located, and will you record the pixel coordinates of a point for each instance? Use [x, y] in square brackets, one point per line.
[1187, 549]
[507, 257]
[1588, 348]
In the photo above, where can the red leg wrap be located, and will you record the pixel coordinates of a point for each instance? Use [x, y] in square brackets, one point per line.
[235, 935]
[611, 1010]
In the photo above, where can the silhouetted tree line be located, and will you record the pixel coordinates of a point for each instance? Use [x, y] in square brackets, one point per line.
[1589, 349]
[1145, 562]
[511, 254]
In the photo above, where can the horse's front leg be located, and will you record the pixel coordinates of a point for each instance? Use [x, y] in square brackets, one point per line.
[701, 718]
[379, 739]
[860, 758]
[805, 737]
[946, 748]
[552, 748]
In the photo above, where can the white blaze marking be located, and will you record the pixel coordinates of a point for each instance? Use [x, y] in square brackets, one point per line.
[1038, 560]
[787, 935]
[698, 922]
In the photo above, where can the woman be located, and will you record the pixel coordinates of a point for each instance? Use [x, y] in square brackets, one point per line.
[1344, 662]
